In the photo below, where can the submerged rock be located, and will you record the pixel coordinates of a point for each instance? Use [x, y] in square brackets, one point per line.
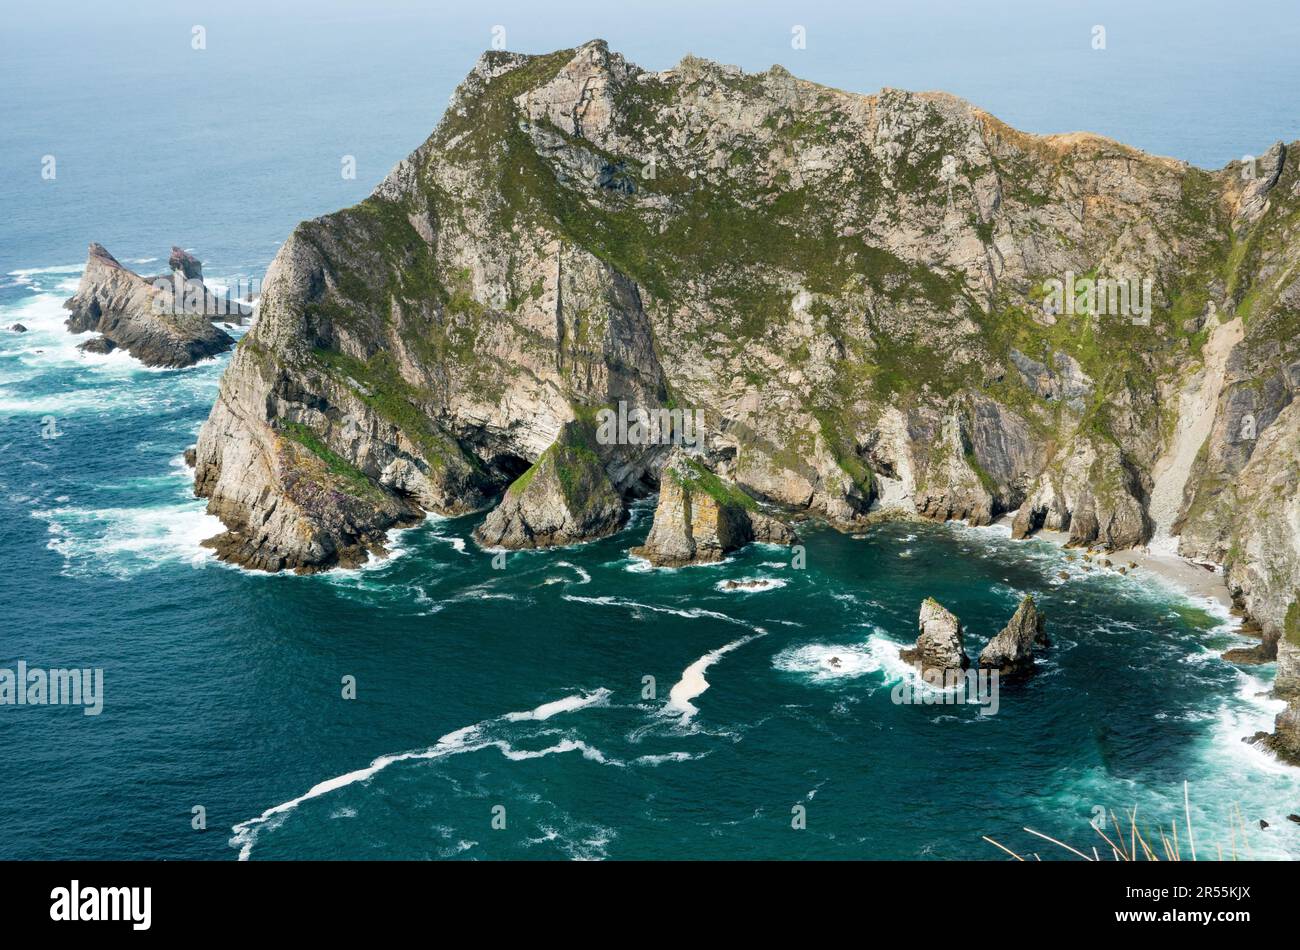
[939, 647]
[1011, 652]
[159, 321]
[700, 518]
[564, 498]
[100, 345]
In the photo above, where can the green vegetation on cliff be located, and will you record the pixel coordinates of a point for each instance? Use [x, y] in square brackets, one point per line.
[379, 384]
[1291, 626]
[697, 478]
[351, 478]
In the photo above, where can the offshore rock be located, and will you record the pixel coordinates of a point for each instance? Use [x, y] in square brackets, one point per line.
[147, 317]
[1011, 652]
[565, 497]
[939, 648]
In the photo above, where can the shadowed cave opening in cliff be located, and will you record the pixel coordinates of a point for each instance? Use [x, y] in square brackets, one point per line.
[506, 467]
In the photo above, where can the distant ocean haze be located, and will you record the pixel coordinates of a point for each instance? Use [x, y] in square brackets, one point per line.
[225, 149]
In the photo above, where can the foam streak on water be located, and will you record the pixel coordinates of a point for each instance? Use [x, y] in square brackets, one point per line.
[466, 739]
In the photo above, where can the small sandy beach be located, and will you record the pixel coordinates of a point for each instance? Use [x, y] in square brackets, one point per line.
[1190, 577]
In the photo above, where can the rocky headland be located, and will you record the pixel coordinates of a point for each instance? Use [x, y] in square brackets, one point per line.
[163, 321]
[854, 291]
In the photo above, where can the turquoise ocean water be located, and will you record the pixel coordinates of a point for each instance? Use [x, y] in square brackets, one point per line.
[525, 689]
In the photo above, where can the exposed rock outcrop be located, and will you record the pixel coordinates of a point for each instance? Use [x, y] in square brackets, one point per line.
[18, 328]
[939, 649]
[1011, 652]
[160, 321]
[565, 497]
[100, 345]
[1285, 739]
[186, 264]
[700, 518]
[330, 514]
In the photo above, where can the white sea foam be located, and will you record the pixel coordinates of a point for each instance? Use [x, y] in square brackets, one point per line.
[589, 752]
[693, 683]
[581, 841]
[817, 661]
[56, 269]
[669, 757]
[690, 613]
[583, 576]
[466, 739]
[122, 542]
[458, 544]
[545, 711]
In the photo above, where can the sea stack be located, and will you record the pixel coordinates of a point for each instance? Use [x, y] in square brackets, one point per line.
[161, 321]
[1011, 652]
[565, 497]
[939, 647]
[701, 518]
[185, 264]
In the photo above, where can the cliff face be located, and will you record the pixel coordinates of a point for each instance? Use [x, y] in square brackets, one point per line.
[161, 321]
[853, 290]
